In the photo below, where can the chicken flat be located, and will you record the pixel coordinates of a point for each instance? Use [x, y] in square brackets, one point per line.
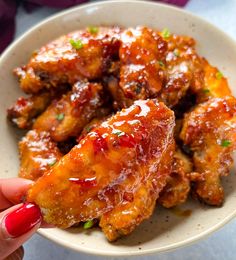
[76, 56]
[123, 164]
[67, 117]
[141, 53]
[183, 68]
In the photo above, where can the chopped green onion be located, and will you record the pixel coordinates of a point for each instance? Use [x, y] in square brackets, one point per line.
[206, 91]
[119, 133]
[60, 117]
[161, 63]
[165, 33]
[52, 162]
[77, 44]
[219, 75]
[225, 143]
[93, 29]
[88, 224]
[176, 52]
[88, 129]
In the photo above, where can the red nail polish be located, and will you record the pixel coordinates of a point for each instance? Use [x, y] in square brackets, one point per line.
[22, 220]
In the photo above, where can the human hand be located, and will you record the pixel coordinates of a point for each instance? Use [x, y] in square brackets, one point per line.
[17, 223]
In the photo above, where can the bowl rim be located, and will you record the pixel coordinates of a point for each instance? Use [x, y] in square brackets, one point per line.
[183, 243]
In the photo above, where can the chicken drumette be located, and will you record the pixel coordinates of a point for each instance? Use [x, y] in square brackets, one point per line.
[66, 117]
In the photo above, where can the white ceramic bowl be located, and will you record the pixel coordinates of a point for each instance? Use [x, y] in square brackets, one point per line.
[165, 230]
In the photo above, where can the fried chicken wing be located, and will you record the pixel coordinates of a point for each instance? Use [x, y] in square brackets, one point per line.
[178, 183]
[66, 117]
[183, 69]
[23, 112]
[123, 163]
[76, 56]
[210, 132]
[37, 154]
[141, 53]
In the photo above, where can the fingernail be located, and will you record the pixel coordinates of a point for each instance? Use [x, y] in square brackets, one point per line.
[22, 220]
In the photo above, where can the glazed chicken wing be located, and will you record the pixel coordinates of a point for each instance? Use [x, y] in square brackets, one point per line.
[141, 53]
[80, 55]
[66, 117]
[210, 132]
[183, 67]
[122, 164]
[141, 75]
[37, 154]
[25, 109]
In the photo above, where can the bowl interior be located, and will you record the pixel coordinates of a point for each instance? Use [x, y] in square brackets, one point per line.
[166, 229]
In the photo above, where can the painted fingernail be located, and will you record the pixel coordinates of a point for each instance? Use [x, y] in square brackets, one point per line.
[22, 220]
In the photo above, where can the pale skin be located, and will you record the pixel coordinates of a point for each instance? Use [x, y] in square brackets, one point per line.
[11, 193]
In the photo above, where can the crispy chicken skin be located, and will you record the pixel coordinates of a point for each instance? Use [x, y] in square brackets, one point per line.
[141, 53]
[210, 132]
[62, 62]
[66, 117]
[37, 154]
[183, 69]
[123, 163]
[178, 183]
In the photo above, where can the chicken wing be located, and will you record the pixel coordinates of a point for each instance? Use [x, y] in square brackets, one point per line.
[141, 53]
[178, 183]
[76, 56]
[66, 117]
[183, 69]
[210, 132]
[37, 154]
[23, 112]
[122, 164]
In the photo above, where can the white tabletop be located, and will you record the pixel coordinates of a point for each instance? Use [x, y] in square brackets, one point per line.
[220, 245]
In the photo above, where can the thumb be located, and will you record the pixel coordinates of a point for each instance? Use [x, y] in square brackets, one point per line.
[17, 225]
